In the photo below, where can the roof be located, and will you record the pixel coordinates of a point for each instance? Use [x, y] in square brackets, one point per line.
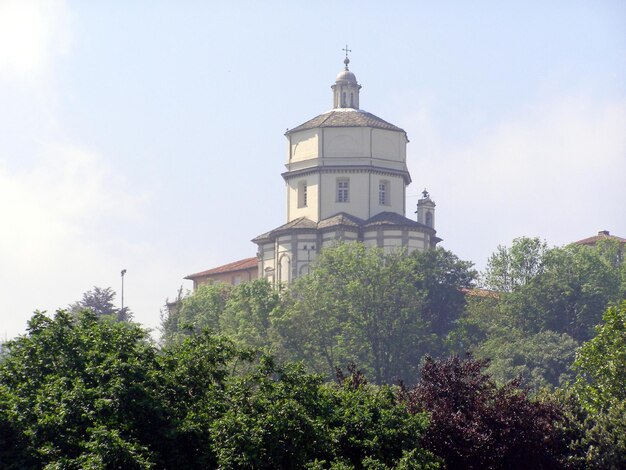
[340, 219]
[299, 223]
[391, 218]
[482, 293]
[602, 235]
[241, 265]
[346, 220]
[346, 117]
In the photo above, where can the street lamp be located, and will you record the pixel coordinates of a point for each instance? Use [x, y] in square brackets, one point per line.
[123, 272]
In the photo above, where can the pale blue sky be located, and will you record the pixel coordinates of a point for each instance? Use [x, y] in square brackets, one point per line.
[149, 135]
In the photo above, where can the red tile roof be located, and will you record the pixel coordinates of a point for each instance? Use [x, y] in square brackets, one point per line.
[241, 265]
[602, 235]
[478, 292]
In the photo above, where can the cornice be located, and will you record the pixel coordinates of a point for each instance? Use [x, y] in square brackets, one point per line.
[287, 175]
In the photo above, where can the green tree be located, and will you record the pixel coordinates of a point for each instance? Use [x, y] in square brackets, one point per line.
[357, 305]
[247, 314]
[443, 279]
[101, 302]
[510, 268]
[204, 308]
[601, 362]
[569, 296]
[282, 417]
[382, 311]
[79, 393]
[541, 360]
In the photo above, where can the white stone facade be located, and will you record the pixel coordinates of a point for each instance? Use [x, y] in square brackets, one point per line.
[346, 179]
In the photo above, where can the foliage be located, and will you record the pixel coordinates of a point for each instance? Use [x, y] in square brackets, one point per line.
[93, 393]
[601, 363]
[79, 393]
[100, 301]
[476, 424]
[596, 439]
[242, 312]
[569, 296]
[442, 278]
[247, 313]
[204, 308]
[510, 268]
[382, 311]
[540, 360]
[281, 417]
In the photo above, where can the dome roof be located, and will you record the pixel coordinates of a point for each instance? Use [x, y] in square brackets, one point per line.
[346, 76]
[346, 117]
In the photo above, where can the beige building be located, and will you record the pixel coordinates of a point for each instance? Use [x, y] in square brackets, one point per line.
[232, 273]
[346, 179]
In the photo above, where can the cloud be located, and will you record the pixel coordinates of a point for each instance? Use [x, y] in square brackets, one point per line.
[58, 234]
[554, 170]
[32, 34]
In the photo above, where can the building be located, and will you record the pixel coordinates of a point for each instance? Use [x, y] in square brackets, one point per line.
[232, 273]
[601, 236]
[346, 179]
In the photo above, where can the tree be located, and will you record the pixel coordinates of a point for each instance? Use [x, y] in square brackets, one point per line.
[443, 278]
[382, 311]
[476, 424]
[282, 417]
[79, 393]
[100, 301]
[510, 268]
[601, 363]
[247, 314]
[569, 296]
[541, 360]
[95, 393]
[357, 305]
[204, 308]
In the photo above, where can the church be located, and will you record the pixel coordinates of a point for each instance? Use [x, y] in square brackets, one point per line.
[346, 178]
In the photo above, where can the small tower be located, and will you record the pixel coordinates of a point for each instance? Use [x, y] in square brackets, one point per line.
[346, 89]
[426, 210]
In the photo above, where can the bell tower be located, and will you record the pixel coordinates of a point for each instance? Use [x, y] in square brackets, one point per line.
[346, 89]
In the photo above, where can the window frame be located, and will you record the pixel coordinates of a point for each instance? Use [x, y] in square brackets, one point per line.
[384, 197]
[342, 194]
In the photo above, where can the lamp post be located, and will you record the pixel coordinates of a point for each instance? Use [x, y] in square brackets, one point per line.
[123, 272]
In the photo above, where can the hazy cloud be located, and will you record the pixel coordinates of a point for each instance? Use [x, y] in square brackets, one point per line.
[32, 33]
[532, 175]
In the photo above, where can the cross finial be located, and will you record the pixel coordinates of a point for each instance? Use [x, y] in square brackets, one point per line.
[346, 60]
[425, 194]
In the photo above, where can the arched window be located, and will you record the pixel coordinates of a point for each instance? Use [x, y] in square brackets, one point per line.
[352, 100]
[343, 99]
[284, 266]
[429, 219]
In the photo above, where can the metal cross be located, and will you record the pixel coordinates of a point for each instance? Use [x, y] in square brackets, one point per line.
[347, 50]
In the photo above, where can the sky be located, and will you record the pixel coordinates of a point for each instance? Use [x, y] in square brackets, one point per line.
[148, 135]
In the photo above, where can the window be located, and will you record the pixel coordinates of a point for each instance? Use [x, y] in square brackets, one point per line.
[429, 219]
[302, 194]
[343, 190]
[383, 193]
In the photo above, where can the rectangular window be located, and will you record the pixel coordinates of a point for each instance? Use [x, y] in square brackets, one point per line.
[343, 190]
[383, 193]
[302, 194]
